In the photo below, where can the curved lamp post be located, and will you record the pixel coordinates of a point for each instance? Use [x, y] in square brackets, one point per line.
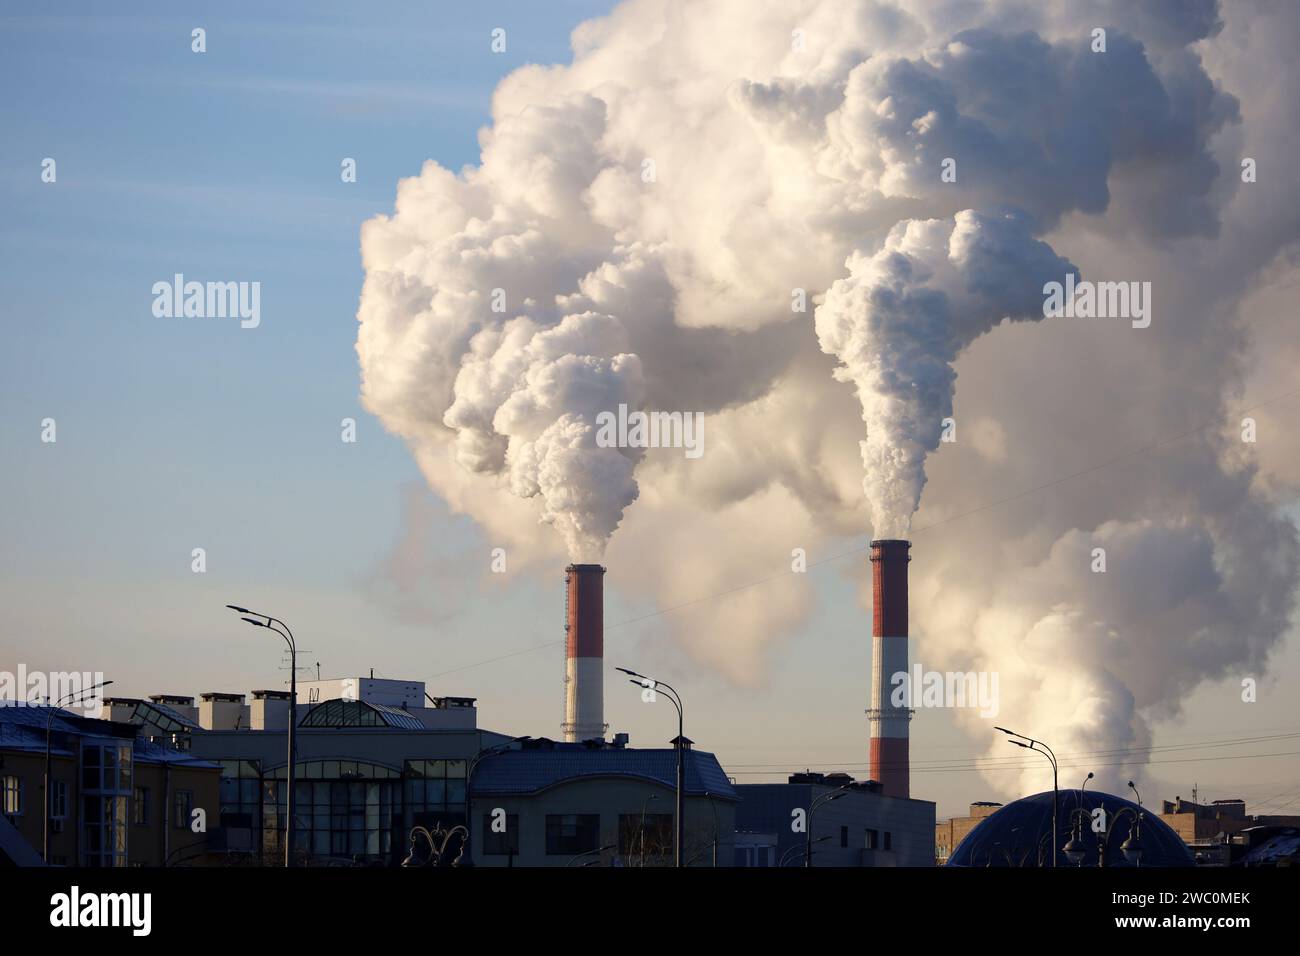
[1073, 848]
[825, 798]
[293, 715]
[1046, 751]
[72, 699]
[649, 683]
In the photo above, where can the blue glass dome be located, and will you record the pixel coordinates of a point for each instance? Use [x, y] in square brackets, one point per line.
[1017, 835]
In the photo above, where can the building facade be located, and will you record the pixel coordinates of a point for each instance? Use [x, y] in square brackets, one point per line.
[115, 799]
[948, 834]
[545, 803]
[851, 823]
[369, 767]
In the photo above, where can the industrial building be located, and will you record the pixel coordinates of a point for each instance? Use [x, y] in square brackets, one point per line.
[115, 799]
[597, 804]
[846, 823]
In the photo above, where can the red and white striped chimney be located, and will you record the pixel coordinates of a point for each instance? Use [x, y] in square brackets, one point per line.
[584, 676]
[889, 724]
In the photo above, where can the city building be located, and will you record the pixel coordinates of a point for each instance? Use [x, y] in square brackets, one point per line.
[1207, 823]
[851, 823]
[115, 799]
[375, 758]
[949, 833]
[545, 803]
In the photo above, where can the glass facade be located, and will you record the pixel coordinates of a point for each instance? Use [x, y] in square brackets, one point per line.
[106, 792]
[345, 810]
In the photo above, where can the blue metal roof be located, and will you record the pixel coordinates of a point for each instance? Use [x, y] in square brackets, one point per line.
[528, 771]
[1020, 834]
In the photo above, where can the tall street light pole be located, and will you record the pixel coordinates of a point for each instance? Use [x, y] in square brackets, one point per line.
[73, 699]
[649, 683]
[293, 717]
[813, 805]
[1046, 752]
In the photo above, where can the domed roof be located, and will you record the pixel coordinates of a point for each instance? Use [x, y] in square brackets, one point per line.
[1017, 835]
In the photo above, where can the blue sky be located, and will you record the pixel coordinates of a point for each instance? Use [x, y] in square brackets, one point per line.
[182, 433]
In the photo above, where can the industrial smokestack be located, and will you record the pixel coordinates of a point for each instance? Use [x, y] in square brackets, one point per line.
[889, 724]
[584, 697]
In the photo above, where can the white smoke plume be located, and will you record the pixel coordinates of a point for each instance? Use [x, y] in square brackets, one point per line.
[647, 214]
[899, 319]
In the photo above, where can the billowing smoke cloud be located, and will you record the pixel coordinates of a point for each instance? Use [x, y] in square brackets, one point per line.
[642, 220]
[899, 319]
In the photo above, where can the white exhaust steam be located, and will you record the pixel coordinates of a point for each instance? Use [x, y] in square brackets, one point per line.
[647, 223]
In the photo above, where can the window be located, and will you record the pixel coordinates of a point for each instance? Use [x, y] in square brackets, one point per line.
[873, 839]
[844, 836]
[889, 840]
[645, 835]
[572, 833]
[342, 809]
[435, 791]
[140, 806]
[240, 795]
[750, 855]
[58, 800]
[183, 805]
[105, 802]
[12, 804]
[501, 844]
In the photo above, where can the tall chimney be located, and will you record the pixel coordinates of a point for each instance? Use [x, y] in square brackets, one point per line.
[889, 724]
[584, 677]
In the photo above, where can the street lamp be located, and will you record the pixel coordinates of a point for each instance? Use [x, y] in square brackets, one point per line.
[52, 709]
[825, 798]
[651, 684]
[1046, 752]
[1132, 847]
[1073, 849]
[293, 716]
